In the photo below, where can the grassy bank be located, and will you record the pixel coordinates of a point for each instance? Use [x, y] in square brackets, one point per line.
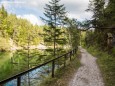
[107, 65]
[64, 75]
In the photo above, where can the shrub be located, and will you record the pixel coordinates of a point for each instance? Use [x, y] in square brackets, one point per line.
[4, 44]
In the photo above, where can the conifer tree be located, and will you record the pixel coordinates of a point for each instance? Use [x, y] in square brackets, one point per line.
[3, 21]
[97, 7]
[55, 15]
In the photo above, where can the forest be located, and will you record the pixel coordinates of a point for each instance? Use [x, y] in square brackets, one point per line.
[103, 21]
[24, 46]
[100, 42]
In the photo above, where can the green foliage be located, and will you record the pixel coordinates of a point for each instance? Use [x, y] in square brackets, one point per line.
[103, 16]
[72, 32]
[4, 56]
[97, 7]
[55, 14]
[110, 13]
[24, 34]
[113, 51]
[18, 30]
[89, 38]
[4, 44]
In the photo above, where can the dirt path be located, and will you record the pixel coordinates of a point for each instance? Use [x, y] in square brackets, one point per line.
[88, 74]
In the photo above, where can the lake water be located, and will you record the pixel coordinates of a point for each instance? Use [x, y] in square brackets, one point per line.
[35, 77]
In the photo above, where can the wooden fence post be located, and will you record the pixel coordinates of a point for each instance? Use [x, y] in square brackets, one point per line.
[70, 55]
[64, 60]
[19, 81]
[53, 68]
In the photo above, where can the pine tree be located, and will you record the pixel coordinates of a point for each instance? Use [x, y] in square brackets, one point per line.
[3, 12]
[55, 15]
[3, 21]
[110, 13]
[97, 7]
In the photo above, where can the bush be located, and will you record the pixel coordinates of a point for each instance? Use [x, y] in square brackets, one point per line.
[4, 44]
[113, 51]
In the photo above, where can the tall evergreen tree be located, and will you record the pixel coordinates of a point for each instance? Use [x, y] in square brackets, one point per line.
[97, 7]
[103, 20]
[3, 21]
[55, 15]
[110, 13]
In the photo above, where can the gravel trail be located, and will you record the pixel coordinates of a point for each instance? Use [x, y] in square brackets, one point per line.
[88, 74]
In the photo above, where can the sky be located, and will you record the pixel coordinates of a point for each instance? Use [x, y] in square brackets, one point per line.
[32, 10]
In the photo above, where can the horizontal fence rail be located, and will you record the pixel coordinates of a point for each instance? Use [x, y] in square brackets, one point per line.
[18, 77]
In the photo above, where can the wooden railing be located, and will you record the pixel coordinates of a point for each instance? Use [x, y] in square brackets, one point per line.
[18, 77]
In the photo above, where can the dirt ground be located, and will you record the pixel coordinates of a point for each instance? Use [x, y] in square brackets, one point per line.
[88, 74]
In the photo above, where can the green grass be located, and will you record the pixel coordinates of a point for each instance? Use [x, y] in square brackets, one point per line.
[107, 65]
[63, 75]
